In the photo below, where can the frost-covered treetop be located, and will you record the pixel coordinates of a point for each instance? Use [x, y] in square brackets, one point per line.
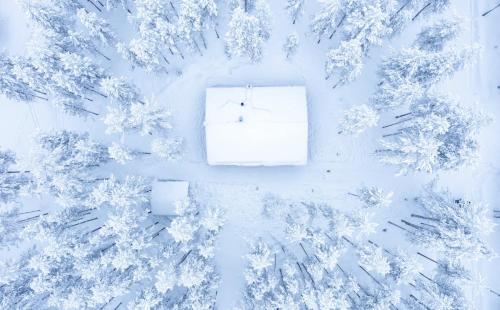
[437, 35]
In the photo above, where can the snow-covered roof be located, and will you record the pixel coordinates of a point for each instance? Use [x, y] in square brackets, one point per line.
[256, 126]
[165, 194]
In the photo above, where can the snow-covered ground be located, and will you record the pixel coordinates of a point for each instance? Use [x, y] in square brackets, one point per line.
[337, 164]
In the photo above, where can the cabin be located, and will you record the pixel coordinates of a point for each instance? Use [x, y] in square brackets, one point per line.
[256, 126]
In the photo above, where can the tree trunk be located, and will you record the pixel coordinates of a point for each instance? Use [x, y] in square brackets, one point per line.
[421, 11]
[338, 25]
[203, 40]
[86, 221]
[350, 242]
[158, 233]
[18, 171]
[184, 257]
[424, 217]
[400, 9]
[173, 8]
[283, 281]
[371, 276]
[197, 47]
[411, 224]
[427, 257]
[100, 53]
[401, 115]
[310, 276]
[95, 5]
[489, 11]
[300, 243]
[81, 109]
[392, 134]
[394, 224]
[95, 91]
[399, 122]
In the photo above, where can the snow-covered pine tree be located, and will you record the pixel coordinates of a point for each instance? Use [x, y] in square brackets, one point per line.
[379, 297]
[410, 72]
[457, 227]
[405, 268]
[97, 27]
[62, 162]
[432, 7]
[12, 181]
[117, 120]
[120, 153]
[439, 292]
[167, 148]
[368, 21]
[295, 9]
[372, 259]
[196, 16]
[438, 134]
[149, 117]
[344, 63]
[248, 30]
[11, 85]
[357, 119]
[364, 24]
[111, 4]
[330, 16]
[146, 117]
[433, 38]
[373, 197]
[291, 45]
[144, 52]
[120, 90]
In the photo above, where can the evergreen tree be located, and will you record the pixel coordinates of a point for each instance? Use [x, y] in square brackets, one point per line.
[248, 30]
[97, 27]
[438, 134]
[434, 37]
[295, 9]
[357, 119]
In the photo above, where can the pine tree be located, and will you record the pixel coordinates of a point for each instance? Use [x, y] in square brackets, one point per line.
[295, 9]
[62, 162]
[120, 90]
[291, 45]
[456, 227]
[120, 153]
[408, 73]
[372, 258]
[328, 19]
[149, 117]
[248, 31]
[357, 119]
[434, 37]
[345, 62]
[167, 148]
[13, 182]
[97, 27]
[12, 86]
[438, 134]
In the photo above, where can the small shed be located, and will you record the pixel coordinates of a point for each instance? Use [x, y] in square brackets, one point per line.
[256, 126]
[165, 194]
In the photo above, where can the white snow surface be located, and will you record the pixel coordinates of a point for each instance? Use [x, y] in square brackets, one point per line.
[256, 126]
[337, 163]
[165, 194]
